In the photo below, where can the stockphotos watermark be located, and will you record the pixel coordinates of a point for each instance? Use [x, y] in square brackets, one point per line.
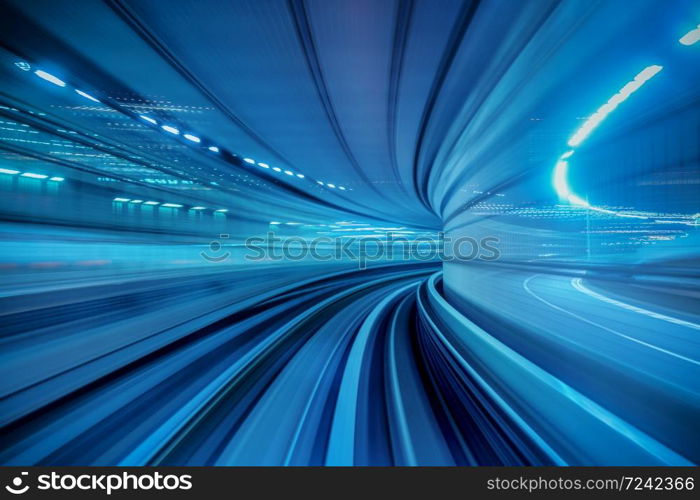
[360, 249]
[99, 483]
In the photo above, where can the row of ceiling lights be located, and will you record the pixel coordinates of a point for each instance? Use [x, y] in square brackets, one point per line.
[165, 205]
[31, 175]
[172, 129]
[251, 161]
[57, 81]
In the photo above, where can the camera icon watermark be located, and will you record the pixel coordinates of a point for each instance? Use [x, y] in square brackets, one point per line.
[16, 487]
[215, 247]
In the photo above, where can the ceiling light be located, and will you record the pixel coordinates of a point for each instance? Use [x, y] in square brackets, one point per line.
[691, 37]
[148, 119]
[50, 78]
[86, 95]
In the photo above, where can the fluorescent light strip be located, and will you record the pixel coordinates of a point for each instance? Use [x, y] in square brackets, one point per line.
[213, 149]
[86, 95]
[170, 129]
[596, 118]
[148, 119]
[249, 160]
[50, 78]
[198, 208]
[192, 138]
[567, 154]
[561, 184]
[171, 205]
[34, 176]
[8, 171]
[151, 203]
[691, 37]
[121, 199]
[57, 179]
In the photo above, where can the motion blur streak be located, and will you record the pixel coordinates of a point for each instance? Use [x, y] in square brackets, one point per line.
[145, 144]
